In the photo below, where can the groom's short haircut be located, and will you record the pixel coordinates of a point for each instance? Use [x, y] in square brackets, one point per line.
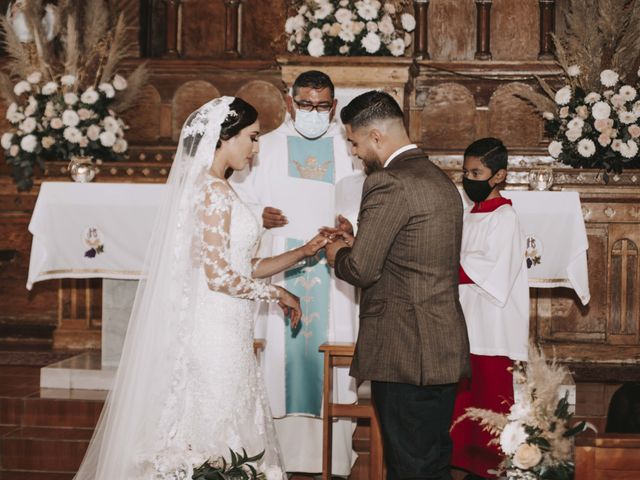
[313, 79]
[370, 107]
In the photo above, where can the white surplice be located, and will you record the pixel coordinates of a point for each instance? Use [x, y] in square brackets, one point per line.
[308, 204]
[496, 306]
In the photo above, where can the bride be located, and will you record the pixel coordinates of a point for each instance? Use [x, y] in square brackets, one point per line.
[188, 388]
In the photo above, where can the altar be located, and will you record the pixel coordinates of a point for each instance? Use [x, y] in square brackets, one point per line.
[102, 230]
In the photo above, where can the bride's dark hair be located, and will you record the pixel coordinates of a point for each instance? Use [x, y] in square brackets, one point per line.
[241, 115]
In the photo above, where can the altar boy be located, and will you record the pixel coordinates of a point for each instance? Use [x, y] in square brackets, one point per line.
[494, 295]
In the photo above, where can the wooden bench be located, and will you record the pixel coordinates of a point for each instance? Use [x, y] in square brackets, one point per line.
[341, 355]
[607, 456]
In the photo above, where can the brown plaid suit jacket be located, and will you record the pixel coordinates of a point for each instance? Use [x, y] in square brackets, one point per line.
[405, 259]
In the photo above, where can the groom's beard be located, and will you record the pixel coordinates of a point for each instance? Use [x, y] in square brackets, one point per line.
[370, 166]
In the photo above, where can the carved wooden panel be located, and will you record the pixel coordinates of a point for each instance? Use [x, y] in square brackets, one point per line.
[624, 278]
[144, 119]
[515, 26]
[451, 29]
[262, 31]
[512, 120]
[188, 98]
[267, 99]
[448, 117]
[201, 28]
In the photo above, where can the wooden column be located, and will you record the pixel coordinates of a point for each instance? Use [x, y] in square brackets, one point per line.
[231, 27]
[171, 45]
[547, 27]
[483, 30]
[421, 45]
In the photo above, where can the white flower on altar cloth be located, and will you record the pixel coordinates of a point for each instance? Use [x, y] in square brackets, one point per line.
[573, 134]
[315, 33]
[6, 139]
[609, 78]
[583, 112]
[343, 49]
[586, 148]
[119, 82]
[34, 77]
[345, 3]
[107, 89]
[90, 96]
[628, 93]
[593, 97]
[14, 150]
[616, 144]
[563, 96]
[627, 117]
[527, 456]
[324, 11]
[601, 110]
[48, 142]
[32, 106]
[372, 27]
[111, 124]
[93, 132]
[575, 123]
[56, 123]
[521, 410]
[371, 42]
[85, 114]
[107, 139]
[368, 9]
[604, 139]
[294, 24]
[603, 124]
[628, 149]
[347, 32]
[343, 15]
[386, 25]
[555, 148]
[408, 22]
[72, 135]
[28, 143]
[22, 87]
[68, 80]
[608, 94]
[511, 437]
[70, 118]
[573, 71]
[28, 125]
[13, 115]
[617, 101]
[563, 112]
[50, 88]
[316, 47]
[70, 98]
[397, 47]
[120, 146]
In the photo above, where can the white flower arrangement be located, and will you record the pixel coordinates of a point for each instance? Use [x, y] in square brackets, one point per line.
[349, 27]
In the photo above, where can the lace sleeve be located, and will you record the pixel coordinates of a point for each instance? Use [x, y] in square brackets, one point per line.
[221, 277]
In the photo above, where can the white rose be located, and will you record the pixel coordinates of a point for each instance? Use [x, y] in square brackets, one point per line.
[56, 123]
[601, 110]
[107, 89]
[586, 148]
[90, 96]
[316, 47]
[119, 82]
[22, 87]
[14, 150]
[371, 42]
[70, 98]
[6, 139]
[563, 96]
[50, 88]
[555, 149]
[28, 143]
[72, 134]
[397, 47]
[107, 139]
[28, 125]
[120, 146]
[408, 22]
[93, 132]
[386, 25]
[575, 123]
[68, 80]
[609, 78]
[527, 456]
[593, 97]
[628, 93]
[315, 33]
[573, 71]
[343, 15]
[70, 118]
[34, 77]
[48, 142]
[573, 135]
[511, 437]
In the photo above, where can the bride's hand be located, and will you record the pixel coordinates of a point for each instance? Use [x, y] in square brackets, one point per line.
[290, 305]
[312, 246]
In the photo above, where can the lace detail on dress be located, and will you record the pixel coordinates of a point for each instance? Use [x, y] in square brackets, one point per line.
[216, 221]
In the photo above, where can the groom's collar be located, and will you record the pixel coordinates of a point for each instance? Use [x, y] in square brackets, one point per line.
[399, 151]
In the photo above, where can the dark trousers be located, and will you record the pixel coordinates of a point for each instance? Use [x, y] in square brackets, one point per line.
[415, 423]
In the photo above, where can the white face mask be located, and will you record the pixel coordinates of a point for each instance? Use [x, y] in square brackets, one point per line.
[312, 124]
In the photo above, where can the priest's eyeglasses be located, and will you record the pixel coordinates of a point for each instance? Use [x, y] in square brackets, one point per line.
[310, 107]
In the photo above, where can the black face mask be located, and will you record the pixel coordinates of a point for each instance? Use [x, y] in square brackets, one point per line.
[477, 190]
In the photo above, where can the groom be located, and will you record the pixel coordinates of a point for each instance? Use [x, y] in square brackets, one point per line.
[412, 343]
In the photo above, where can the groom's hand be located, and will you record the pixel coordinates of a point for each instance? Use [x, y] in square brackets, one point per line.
[344, 225]
[273, 218]
[332, 249]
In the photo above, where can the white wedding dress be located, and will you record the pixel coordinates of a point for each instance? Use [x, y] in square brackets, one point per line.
[188, 388]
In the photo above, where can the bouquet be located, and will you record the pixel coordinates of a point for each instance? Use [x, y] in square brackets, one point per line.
[63, 93]
[535, 436]
[241, 467]
[350, 27]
